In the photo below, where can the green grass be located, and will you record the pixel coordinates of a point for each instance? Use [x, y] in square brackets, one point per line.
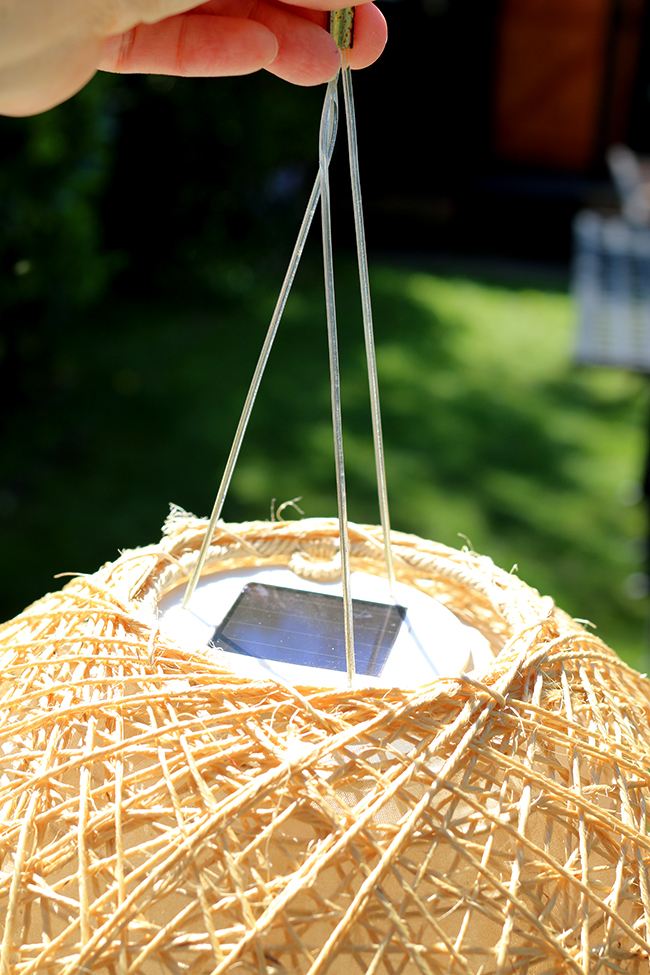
[491, 433]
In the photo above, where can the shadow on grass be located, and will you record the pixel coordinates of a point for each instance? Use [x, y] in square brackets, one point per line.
[142, 403]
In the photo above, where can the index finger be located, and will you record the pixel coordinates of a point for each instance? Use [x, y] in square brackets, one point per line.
[369, 36]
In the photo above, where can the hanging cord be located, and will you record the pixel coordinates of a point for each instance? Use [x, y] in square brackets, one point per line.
[328, 119]
[259, 370]
[342, 29]
[366, 306]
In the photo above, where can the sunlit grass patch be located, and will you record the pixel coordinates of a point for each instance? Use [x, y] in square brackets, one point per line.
[491, 433]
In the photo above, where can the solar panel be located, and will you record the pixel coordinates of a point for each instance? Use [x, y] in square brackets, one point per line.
[299, 627]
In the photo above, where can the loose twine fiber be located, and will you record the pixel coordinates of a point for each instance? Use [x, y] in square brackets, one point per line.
[161, 815]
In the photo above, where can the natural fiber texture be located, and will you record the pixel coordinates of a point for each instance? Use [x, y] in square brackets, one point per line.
[163, 816]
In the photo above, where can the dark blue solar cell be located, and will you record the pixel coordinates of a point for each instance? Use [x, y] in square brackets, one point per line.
[297, 627]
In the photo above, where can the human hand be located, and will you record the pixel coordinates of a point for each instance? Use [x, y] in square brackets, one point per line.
[49, 49]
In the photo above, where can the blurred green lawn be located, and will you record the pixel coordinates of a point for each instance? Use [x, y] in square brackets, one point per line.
[491, 433]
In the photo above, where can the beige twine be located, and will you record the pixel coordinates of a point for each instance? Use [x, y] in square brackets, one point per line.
[162, 815]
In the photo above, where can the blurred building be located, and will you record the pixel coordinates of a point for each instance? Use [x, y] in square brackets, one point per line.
[485, 125]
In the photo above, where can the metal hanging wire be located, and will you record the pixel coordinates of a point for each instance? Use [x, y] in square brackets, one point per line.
[259, 369]
[366, 306]
[330, 110]
[342, 28]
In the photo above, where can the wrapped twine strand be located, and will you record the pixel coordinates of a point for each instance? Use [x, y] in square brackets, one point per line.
[161, 815]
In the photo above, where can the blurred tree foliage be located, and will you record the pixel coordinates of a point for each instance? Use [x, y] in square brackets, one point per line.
[138, 189]
[140, 183]
[54, 169]
[206, 170]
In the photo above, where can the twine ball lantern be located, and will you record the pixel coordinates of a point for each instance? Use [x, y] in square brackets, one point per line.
[163, 815]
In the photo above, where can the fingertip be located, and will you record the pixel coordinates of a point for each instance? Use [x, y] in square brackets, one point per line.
[370, 36]
[306, 59]
[268, 46]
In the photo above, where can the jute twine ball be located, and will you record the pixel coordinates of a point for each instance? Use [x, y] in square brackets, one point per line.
[161, 815]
